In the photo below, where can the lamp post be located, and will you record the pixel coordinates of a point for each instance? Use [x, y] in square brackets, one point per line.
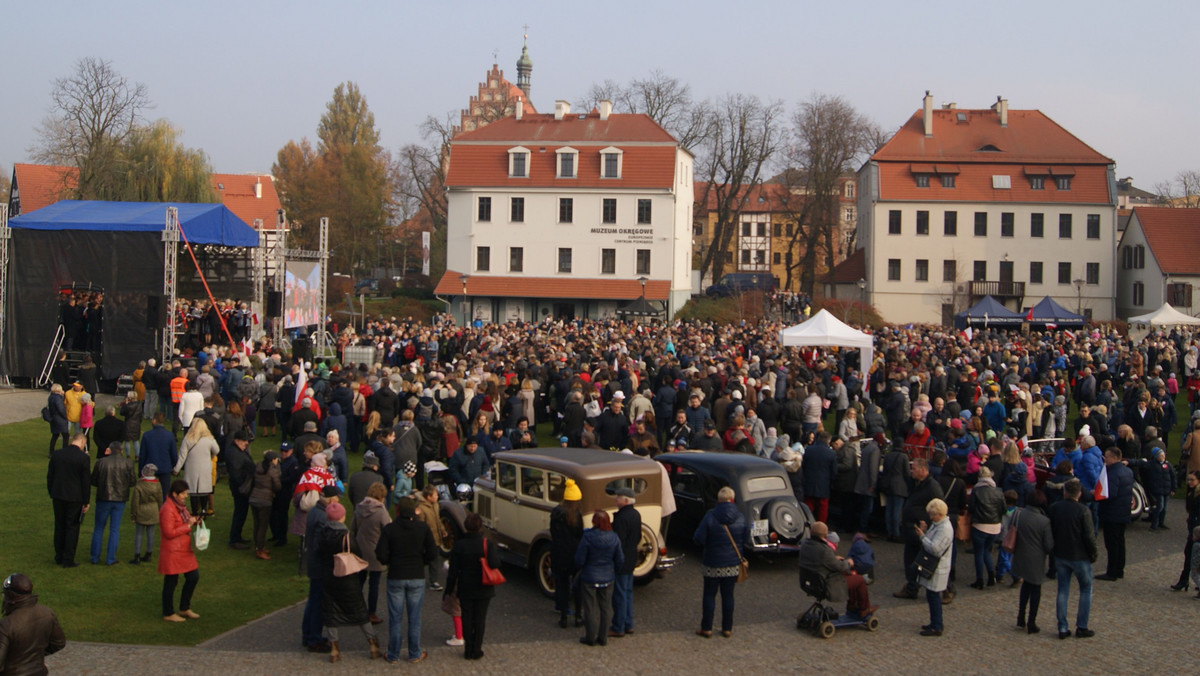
[1078, 296]
[463, 279]
[642, 280]
[862, 299]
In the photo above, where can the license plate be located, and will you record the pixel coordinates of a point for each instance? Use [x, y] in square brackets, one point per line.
[760, 528]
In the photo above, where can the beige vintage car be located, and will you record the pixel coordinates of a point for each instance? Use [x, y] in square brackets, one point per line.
[515, 501]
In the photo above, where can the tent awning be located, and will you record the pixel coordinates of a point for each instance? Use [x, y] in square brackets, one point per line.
[1048, 311]
[201, 223]
[825, 330]
[987, 311]
[1165, 316]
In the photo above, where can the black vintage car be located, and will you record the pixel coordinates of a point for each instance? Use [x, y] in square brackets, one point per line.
[764, 495]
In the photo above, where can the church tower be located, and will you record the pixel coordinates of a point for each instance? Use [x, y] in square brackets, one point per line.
[524, 68]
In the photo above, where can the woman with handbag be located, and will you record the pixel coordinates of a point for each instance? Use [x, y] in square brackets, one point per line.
[466, 581]
[342, 602]
[933, 562]
[723, 535]
[986, 509]
[598, 558]
[175, 555]
[197, 463]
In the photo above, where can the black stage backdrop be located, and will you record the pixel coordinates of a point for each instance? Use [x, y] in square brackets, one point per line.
[127, 265]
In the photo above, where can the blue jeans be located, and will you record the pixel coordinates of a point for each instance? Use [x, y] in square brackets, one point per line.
[982, 543]
[105, 510]
[708, 605]
[934, 599]
[623, 603]
[892, 513]
[404, 596]
[1158, 509]
[1082, 570]
[310, 625]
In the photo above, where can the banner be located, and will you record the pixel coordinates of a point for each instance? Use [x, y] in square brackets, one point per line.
[425, 253]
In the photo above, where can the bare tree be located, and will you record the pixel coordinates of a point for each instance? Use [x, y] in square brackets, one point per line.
[419, 177]
[93, 112]
[1181, 191]
[739, 138]
[664, 98]
[5, 185]
[828, 138]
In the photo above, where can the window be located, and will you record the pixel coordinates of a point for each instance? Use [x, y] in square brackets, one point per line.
[893, 269]
[922, 222]
[894, 222]
[1064, 226]
[643, 211]
[1139, 257]
[981, 224]
[518, 163]
[745, 229]
[760, 257]
[532, 484]
[788, 230]
[762, 229]
[850, 214]
[483, 258]
[1093, 226]
[1035, 272]
[1179, 294]
[849, 191]
[922, 270]
[1037, 225]
[1037, 183]
[947, 180]
[922, 180]
[1006, 224]
[610, 163]
[643, 262]
[608, 261]
[516, 259]
[484, 211]
[517, 210]
[950, 224]
[507, 474]
[775, 258]
[566, 163]
[979, 274]
[566, 209]
[697, 229]
[608, 213]
[564, 260]
[776, 230]
[949, 271]
[745, 257]
[1002, 182]
[1064, 272]
[1092, 273]
[1062, 182]
[1139, 294]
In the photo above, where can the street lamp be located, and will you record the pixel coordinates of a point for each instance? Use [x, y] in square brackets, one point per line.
[862, 299]
[1078, 296]
[463, 279]
[642, 280]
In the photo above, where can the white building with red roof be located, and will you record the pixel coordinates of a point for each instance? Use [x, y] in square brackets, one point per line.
[1158, 261]
[963, 203]
[564, 215]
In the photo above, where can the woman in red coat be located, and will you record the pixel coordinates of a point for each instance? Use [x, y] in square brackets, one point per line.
[175, 553]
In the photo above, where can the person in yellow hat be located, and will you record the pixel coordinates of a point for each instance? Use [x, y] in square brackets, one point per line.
[566, 529]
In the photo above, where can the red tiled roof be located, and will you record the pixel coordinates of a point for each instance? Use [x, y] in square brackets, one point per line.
[1030, 137]
[762, 198]
[572, 129]
[850, 270]
[237, 193]
[1173, 236]
[487, 166]
[40, 185]
[552, 287]
[973, 183]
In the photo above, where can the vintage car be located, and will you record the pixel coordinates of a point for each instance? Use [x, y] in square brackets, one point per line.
[516, 498]
[764, 495]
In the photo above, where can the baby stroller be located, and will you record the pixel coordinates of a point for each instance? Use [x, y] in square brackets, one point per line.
[820, 618]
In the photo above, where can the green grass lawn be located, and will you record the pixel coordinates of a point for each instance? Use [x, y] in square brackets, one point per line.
[122, 603]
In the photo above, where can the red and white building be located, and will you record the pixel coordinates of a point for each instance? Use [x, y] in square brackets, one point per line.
[963, 203]
[1158, 261]
[564, 215]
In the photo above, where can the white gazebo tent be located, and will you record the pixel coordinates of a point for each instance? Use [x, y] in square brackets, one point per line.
[1165, 316]
[825, 330]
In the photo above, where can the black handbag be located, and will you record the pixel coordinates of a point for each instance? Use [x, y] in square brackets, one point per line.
[927, 562]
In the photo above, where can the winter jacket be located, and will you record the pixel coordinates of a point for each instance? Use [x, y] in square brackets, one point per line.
[336, 421]
[867, 476]
[405, 547]
[465, 577]
[862, 554]
[1089, 468]
[28, 633]
[818, 557]
[1014, 479]
[430, 513]
[1075, 456]
[564, 540]
[158, 448]
[195, 464]
[598, 556]
[58, 414]
[366, 531]
[145, 501]
[1158, 478]
[986, 504]
[893, 478]
[1071, 528]
[938, 540]
[266, 485]
[113, 476]
[719, 551]
[465, 468]
[175, 553]
[1116, 509]
[342, 603]
[1034, 541]
[820, 468]
[627, 524]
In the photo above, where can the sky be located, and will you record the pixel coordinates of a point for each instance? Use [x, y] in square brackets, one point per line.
[241, 79]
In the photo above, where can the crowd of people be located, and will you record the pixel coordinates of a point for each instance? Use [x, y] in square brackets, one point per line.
[948, 416]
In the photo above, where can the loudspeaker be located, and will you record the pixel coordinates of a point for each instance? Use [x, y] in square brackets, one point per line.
[300, 349]
[274, 304]
[156, 311]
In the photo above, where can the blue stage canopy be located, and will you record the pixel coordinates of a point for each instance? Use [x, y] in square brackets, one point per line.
[987, 312]
[1047, 311]
[201, 223]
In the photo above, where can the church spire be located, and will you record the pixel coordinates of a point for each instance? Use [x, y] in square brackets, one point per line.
[524, 66]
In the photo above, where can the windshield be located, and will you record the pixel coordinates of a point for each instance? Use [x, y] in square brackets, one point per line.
[766, 484]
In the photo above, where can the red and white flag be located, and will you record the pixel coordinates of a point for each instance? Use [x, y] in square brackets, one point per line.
[1029, 315]
[1101, 492]
[969, 333]
[1069, 334]
[301, 386]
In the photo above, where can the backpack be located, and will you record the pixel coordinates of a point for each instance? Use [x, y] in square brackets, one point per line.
[46, 414]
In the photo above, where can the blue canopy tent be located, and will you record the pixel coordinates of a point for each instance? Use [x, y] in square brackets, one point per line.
[115, 246]
[1047, 311]
[987, 312]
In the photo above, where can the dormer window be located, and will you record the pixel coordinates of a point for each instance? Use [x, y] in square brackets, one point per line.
[610, 162]
[922, 180]
[518, 162]
[567, 162]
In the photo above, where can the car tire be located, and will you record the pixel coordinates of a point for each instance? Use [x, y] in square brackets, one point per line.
[542, 570]
[786, 520]
[647, 549]
[1140, 503]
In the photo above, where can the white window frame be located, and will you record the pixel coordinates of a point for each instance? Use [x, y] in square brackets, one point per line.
[612, 150]
[558, 154]
[512, 153]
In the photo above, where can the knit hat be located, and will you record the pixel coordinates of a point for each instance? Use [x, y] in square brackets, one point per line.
[335, 511]
[370, 460]
[571, 491]
[319, 460]
[409, 468]
[833, 538]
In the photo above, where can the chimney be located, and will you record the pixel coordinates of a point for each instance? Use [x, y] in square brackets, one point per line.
[928, 101]
[258, 188]
[1001, 107]
[561, 109]
[605, 109]
[519, 108]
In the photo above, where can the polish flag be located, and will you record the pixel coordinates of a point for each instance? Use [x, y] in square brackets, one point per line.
[1069, 334]
[1101, 491]
[301, 385]
[1029, 315]
[1050, 325]
[969, 333]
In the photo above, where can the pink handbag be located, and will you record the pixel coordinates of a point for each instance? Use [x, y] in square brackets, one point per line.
[346, 562]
